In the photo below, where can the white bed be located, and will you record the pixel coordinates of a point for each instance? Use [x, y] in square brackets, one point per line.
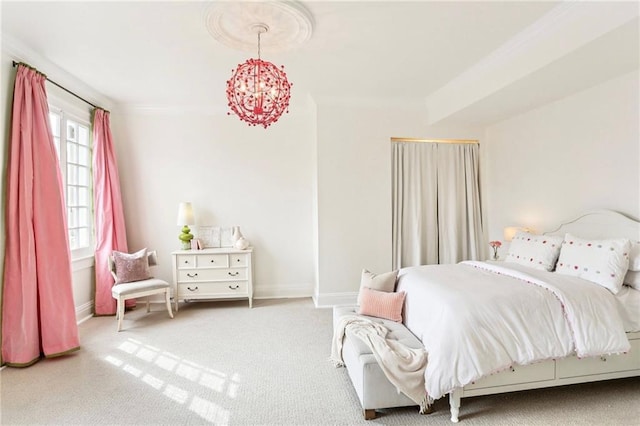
[493, 327]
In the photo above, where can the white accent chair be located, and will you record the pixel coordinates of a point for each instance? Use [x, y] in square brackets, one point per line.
[136, 289]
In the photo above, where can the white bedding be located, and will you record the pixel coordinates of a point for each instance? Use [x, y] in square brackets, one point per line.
[478, 318]
[629, 307]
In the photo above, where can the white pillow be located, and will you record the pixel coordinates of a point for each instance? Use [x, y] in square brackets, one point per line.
[634, 256]
[382, 282]
[604, 262]
[632, 279]
[536, 251]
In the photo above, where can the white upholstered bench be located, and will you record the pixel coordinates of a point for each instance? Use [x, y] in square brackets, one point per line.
[372, 386]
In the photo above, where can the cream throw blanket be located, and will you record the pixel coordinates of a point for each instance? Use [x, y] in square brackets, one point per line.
[403, 366]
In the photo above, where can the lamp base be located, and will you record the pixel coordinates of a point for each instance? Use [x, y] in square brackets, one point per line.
[185, 237]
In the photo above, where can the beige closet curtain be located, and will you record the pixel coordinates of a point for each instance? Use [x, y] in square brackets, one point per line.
[436, 203]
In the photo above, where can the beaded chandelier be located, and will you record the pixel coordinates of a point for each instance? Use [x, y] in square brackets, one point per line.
[258, 91]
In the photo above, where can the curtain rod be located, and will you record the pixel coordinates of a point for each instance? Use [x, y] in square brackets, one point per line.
[15, 64]
[471, 141]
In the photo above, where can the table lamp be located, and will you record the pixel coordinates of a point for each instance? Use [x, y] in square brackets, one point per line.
[511, 231]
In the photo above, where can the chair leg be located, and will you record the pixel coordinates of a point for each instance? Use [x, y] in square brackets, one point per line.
[120, 309]
[168, 301]
[148, 306]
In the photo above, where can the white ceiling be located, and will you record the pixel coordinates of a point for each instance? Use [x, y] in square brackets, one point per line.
[161, 55]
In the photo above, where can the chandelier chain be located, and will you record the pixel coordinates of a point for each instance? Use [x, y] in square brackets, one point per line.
[258, 44]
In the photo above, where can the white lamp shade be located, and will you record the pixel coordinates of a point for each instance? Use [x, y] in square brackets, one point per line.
[185, 214]
[510, 232]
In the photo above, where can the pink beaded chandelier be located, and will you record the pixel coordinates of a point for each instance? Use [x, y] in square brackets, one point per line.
[258, 91]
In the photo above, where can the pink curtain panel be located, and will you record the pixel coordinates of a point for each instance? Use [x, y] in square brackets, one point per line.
[109, 215]
[38, 313]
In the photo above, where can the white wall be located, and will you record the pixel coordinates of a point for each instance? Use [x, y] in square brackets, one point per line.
[354, 189]
[312, 193]
[260, 180]
[578, 154]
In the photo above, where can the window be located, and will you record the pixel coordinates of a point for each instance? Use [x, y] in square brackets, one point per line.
[72, 142]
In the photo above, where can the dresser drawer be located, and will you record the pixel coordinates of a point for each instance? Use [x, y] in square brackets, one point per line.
[212, 261]
[239, 260]
[185, 261]
[194, 275]
[574, 367]
[518, 374]
[229, 288]
[203, 261]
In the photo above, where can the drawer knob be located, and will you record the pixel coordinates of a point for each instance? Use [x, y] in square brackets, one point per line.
[237, 260]
[192, 289]
[603, 358]
[233, 274]
[212, 261]
[186, 261]
[234, 288]
[192, 275]
[513, 370]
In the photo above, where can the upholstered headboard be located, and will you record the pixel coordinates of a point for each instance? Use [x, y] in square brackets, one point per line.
[600, 224]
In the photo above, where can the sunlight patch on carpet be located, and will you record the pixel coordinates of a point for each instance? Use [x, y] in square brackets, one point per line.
[209, 378]
[113, 360]
[132, 370]
[209, 411]
[166, 362]
[153, 381]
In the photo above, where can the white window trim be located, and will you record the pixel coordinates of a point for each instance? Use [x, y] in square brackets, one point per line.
[69, 111]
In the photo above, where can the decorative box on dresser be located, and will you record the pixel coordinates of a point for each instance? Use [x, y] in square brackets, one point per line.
[213, 273]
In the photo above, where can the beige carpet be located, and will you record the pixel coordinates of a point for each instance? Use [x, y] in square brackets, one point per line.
[223, 363]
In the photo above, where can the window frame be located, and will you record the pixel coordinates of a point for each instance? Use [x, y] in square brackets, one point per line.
[82, 117]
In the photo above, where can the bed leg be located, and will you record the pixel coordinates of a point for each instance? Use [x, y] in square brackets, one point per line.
[454, 403]
[369, 414]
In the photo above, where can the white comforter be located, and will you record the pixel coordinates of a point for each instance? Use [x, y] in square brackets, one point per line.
[478, 318]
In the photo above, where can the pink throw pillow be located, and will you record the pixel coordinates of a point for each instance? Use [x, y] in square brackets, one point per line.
[381, 304]
[131, 267]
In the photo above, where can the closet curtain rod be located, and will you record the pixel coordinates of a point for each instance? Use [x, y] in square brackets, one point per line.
[15, 64]
[471, 141]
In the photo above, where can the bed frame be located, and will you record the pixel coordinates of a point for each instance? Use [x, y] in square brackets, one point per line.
[570, 370]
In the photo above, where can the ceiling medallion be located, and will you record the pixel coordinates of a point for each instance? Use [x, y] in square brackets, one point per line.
[232, 23]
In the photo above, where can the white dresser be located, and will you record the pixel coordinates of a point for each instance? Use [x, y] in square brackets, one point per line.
[213, 273]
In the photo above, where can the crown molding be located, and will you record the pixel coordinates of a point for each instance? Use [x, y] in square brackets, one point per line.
[301, 108]
[371, 102]
[19, 52]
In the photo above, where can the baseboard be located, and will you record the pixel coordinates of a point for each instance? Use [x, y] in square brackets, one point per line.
[327, 300]
[282, 292]
[84, 312]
